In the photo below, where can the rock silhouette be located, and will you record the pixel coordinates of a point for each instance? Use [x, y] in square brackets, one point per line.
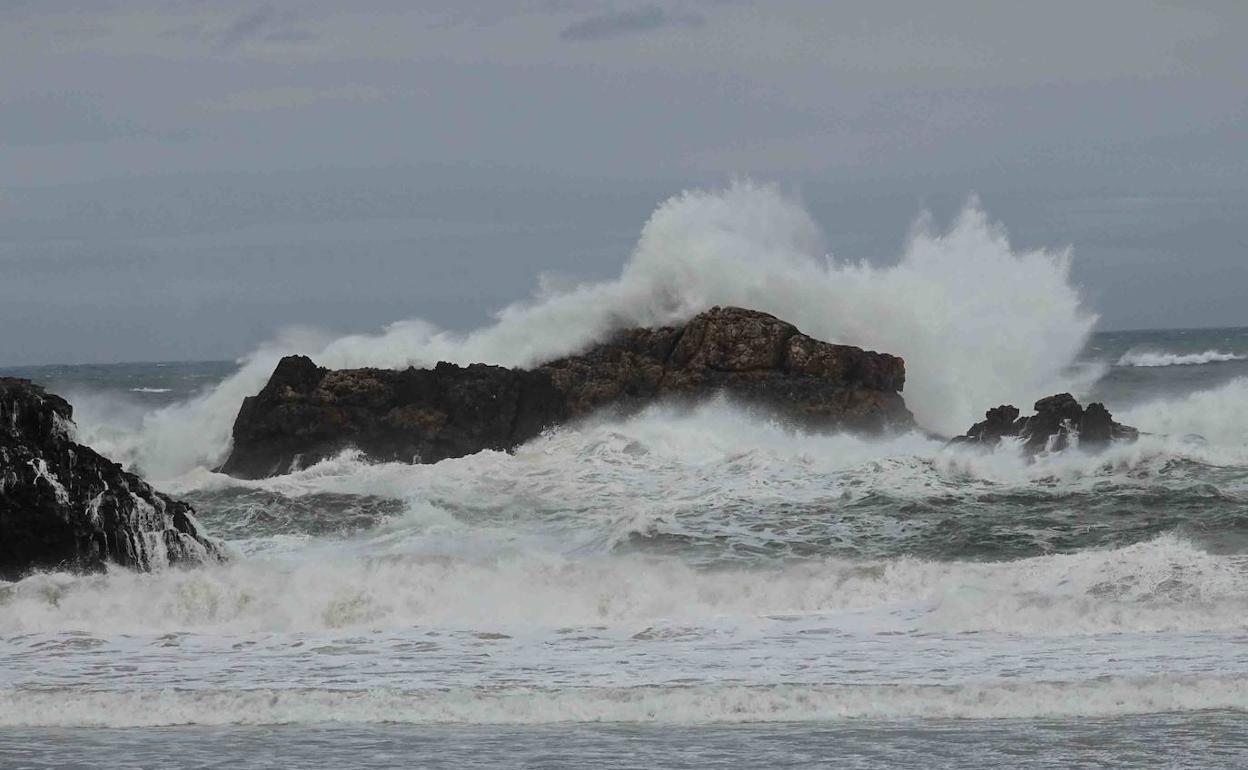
[65, 506]
[1054, 426]
[307, 413]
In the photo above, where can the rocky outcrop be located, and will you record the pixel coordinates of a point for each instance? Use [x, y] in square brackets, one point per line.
[1058, 422]
[307, 413]
[64, 506]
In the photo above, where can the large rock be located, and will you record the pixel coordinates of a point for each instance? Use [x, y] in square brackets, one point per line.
[1058, 422]
[307, 413]
[64, 506]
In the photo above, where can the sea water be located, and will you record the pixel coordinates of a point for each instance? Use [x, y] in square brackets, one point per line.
[684, 587]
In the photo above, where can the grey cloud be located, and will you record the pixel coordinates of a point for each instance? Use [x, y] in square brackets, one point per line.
[288, 97]
[610, 25]
[431, 158]
[264, 23]
[16, 7]
[44, 120]
[22, 9]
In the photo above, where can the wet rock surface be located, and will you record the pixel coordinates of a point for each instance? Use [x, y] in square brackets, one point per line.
[1059, 421]
[65, 506]
[307, 413]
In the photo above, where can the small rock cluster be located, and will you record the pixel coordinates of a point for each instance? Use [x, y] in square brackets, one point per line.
[1059, 422]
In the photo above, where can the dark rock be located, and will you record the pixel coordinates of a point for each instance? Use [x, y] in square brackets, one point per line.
[1058, 420]
[998, 422]
[1097, 427]
[306, 413]
[64, 506]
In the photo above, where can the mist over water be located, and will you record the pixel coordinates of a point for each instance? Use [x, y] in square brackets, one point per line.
[691, 567]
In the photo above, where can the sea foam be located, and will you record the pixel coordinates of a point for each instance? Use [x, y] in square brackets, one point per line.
[1155, 358]
[1218, 415]
[1162, 585]
[977, 321]
[704, 704]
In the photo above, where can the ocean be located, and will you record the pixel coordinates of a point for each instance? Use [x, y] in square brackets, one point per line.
[683, 587]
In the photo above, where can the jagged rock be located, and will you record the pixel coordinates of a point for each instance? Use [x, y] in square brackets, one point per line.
[1057, 421]
[307, 413]
[64, 506]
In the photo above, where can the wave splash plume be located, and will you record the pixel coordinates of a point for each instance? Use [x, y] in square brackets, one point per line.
[977, 321]
[693, 566]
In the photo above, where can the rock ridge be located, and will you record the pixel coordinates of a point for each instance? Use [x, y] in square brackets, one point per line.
[307, 413]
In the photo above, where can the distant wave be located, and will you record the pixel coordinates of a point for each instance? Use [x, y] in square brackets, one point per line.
[1162, 358]
[150, 390]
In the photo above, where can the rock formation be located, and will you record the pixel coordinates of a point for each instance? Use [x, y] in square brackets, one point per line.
[1056, 423]
[64, 506]
[307, 413]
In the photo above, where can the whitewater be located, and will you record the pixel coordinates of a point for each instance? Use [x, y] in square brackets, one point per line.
[1161, 358]
[681, 582]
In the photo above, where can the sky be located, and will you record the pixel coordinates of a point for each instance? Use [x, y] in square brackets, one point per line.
[181, 178]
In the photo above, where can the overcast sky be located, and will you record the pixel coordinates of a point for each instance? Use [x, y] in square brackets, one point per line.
[180, 178]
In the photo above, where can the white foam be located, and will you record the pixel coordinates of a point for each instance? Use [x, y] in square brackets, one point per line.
[1163, 585]
[977, 322]
[1153, 358]
[664, 463]
[1219, 416]
[703, 704]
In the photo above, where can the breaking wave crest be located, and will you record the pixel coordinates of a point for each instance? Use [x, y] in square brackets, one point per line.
[1152, 358]
[687, 566]
[977, 321]
[1162, 585]
[1218, 415]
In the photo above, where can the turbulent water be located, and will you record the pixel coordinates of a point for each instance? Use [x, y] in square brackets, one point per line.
[684, 588]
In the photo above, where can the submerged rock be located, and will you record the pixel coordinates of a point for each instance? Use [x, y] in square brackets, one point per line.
[1058, 422]
[64, 506]
[307, 413]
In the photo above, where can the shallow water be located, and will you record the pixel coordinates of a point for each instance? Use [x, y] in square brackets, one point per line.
[1209, 739]
[683, 588]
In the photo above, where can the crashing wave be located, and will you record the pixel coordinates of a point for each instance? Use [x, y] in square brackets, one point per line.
[976, 321]
[1166, 584]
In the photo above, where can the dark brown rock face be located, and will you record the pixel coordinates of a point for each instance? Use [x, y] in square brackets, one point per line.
[1057, 421]
[64, 506]
[307, 413]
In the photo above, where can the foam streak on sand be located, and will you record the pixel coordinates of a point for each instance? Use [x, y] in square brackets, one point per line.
[1113, 696]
